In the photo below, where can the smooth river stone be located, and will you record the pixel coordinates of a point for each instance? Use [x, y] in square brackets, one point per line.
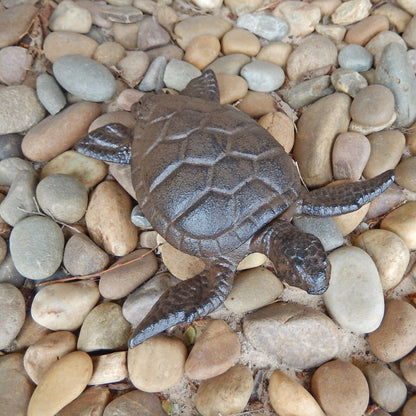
[240, 41]
[64, 306]
[396, 336]
[157, 364]
[263, 76]
[409, 409]
[49, 138]
[276, 52]
[289, 398]
[360, 33]
[351, 11]
[306, 336]
[354, 297]
[389, 253]
[179, 73]
[406, 173]
[408, 368]
[62, 383]
[109, 368]
[108, 219]
[36, 247]
[266, 26]
[202, 51]
[380, 41]
[316, 131]
[229, 64]
[46, 351]
[50, 94]
[231, 87]
[281, 127]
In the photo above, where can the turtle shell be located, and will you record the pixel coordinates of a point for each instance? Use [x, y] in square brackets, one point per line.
[207, 176]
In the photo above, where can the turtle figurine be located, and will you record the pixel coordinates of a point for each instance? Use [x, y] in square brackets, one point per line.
[218, 186]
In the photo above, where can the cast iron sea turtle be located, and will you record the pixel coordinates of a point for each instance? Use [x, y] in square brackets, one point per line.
[213, 183]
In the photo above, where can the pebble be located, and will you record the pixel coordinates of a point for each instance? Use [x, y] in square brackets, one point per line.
[230, 64]
[306, 336]
[168, 51]
[139, 303]
[153, 78]
[90, 403]
[396, 73]
[195, 26]
[238, 7]
[156, 364]
[41, 144]
[20, 109]
[408, 368]
[389, 253]
[351, 11]
[14, 379]
[15, 22]
[135, 402]
[151, 35]
[51, 394]
[10, 146]
[281, 387]
[147, 239]
[118, 283]
[281, 127]
[179, 73]
[63, 43]
[317, 128]
[396, 336]
[214, 352]
[354, 297]
[386, 388]
[253, 289]
[407, 5]
[387, 201]
[84, 78]
[405, 173]
[108, 219]
[396, 15]
[208, 4]
[362, 32]
[11, 167]
[267, 27]
[50, 94]
[70, 16]
[122, 117]
[128, 97]
[86, 169]
[333, 32]
[350, 82]
[251, 261]
[301, 17]
[104, 328]
[64, 306]
[3, 249]
[276, 52]
[139, 220]
[47, 350]
[340, 388]
[226, 394]
[240, 41]
[324, 228]
[133, 67]
[82, 256]
[263, 76]
[350, 154]
[36, 247]
[109, 368]
[231, 88]
[327, 6]
[355, 57]
[256, 104]
[386, 150]
[126, 35]
[402, 221]
[122, 14]
[377, 44]
[316, 51]
[14, 61]
[13, 312]
[409, 408]
[109, 53]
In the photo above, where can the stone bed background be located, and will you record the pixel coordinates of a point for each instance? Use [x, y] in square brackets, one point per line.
[333, 82]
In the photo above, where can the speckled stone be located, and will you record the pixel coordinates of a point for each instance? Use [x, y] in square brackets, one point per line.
[268, 27]
[408, 368]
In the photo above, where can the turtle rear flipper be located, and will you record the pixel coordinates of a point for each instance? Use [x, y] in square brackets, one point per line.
[110, 143]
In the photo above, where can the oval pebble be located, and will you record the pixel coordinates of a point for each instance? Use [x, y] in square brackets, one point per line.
[50, 94]
[351, 11]
[109, 368]
[229, 64]
[231, 88]
[109, 53]
[408, 368]
[406, 173]
[263, 76]
[360, 33]
[179, 73]
[268, 27]
[64, 306]
[14, 61]
[202, 50]
[84, 77]
[355, 57]
[133, 67]
[70, 16]
[240, 41]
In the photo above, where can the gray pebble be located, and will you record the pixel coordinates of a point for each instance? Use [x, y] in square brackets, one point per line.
[355, 57]
[85, 78]
[348, 81]
[11, 167]
[153, 79]
[36, 247]
[179, 73]
[267, 27]
[11, 146]
[263, 76]
[50, 94]
[229, 64]
[396, 73]
[139, 220]
[9, 273]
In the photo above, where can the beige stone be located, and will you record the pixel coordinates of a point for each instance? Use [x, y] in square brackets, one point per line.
[406, 173]
[351, 11]
[240, 41]
[281, 127]
[257, 104]
[231, 87]
[109, 368]
[397, 16]
[408, 368]
[202, 50]
[360, 33]
[251, 261]
[276, 52]
[327, 6]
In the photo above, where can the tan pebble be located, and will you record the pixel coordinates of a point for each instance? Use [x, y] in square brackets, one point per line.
[61, 384]
[408, 5]
[281, 127]
[340, 388]
[133, 67]
[351, 11]
[251, 261]
[239, 7]
[406, 173]
[334, 32]
[397, 16]
[30, 333]
[202, 50]
[389, 252]
[411, 139]
[49, 349]
[231, 87]
[409, 409]
[157, 364]
[240, 41]
[327, 6]
[108, 219]
[148, 239]
[360, 33]
[121, 172]
[128, 97]
[109, 53]
[282, 393]
[166, 16]
[126, 34]
[109, 368]
[256, 104]
[408, 367]
[214, 352]
[122, 117]
[396, 336]
[226, 394]
[61, 43]
[391, 198]
[276, 52]
[71, 124]
[386, 150]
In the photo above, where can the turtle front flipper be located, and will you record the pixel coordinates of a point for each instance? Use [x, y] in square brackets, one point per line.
[187, 301]
[347, 197]
[299, 258]
[110, 143]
